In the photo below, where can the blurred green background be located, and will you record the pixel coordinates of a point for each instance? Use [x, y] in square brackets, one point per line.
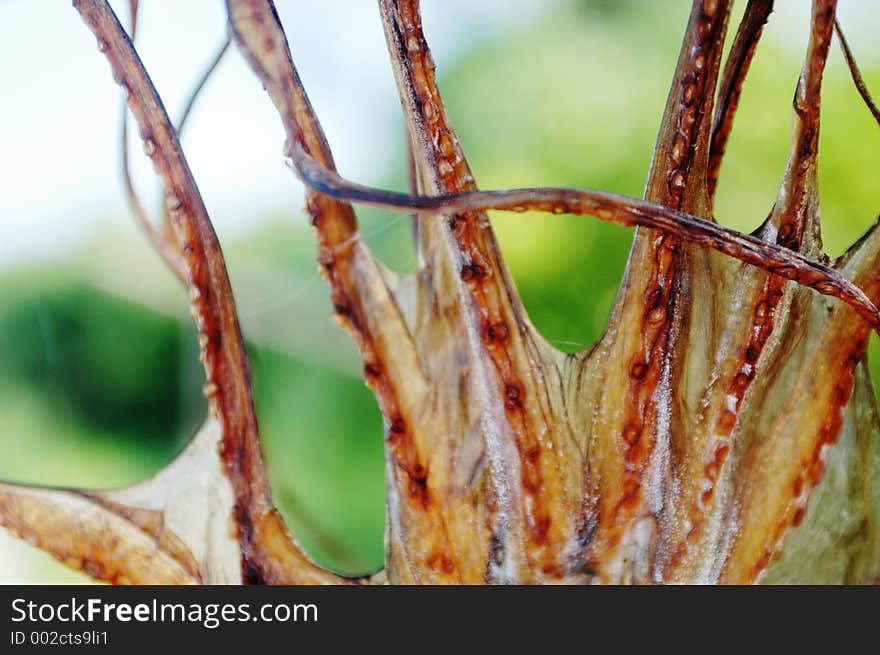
[99, 379]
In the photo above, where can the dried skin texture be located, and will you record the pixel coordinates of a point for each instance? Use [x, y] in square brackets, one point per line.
[723, 429]
[359, 288]
[840, 527]
[508, 426]
[172, 529]
[85, 537]
[711, 358]
[740, 357]
[653, 325]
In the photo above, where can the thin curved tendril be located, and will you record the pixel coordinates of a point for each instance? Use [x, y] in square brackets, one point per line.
[412, 169]
[190, 103]
[267, 548]
[735, 70]
[133, 13]
[161, 242]
[603, 205]
[161, 239]
[856, 73]
[201, 82]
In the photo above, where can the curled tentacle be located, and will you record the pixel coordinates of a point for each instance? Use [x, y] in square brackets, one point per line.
[856, 73]
[605, 206]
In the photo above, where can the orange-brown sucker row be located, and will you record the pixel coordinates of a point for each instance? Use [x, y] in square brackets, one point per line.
[638, 432]
[762, 325]
[538, 515]
[202, 310]
[790, 235]
[483, 283]
[806, 106]
[480, 272]
[337, 239]
[763, 317]
[639, 428]
[349, 315]
[811, 471]
[693, 88]
[822, 27]
[233, 448]
[449, 163]
[791, 231]
[335, 262]
[644, 374]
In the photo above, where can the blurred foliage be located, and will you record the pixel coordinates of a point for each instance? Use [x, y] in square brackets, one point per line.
[104, 358]
[93, 394]
[102, 387]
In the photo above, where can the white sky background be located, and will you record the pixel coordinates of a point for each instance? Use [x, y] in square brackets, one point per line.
[59, 110]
